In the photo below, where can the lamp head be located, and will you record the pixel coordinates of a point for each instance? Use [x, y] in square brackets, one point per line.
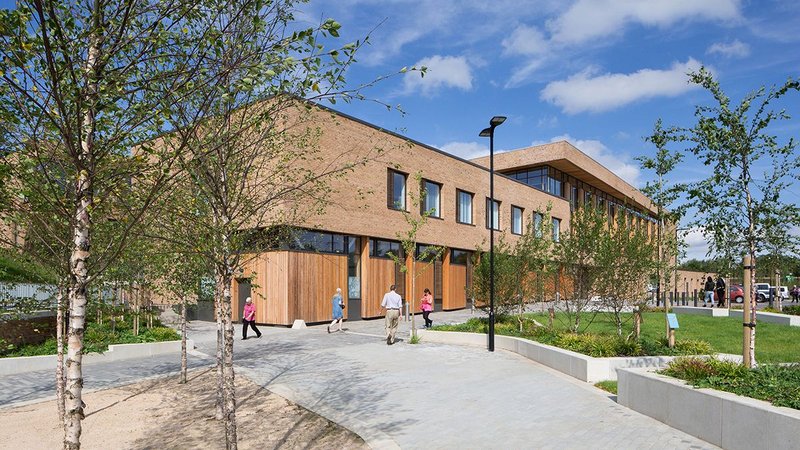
[486, 132]
[497, 120]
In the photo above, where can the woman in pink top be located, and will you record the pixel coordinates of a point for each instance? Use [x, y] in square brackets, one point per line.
[249, 318]
[427, 306]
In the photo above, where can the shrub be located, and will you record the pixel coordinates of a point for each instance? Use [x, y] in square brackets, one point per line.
[793, 310]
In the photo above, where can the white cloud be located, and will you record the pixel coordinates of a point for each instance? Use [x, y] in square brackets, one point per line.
[586, 92]
[443, 72]
[586, 20]
[525, 40]
[615, 161]
[735, 49]
[696, 244]
[466, 150]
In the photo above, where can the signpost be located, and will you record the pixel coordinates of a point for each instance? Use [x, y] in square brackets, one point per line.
[672, 321]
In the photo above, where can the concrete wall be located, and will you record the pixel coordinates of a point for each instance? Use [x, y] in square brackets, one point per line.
[720, 418]
[576, 365]
[9, 366]
[700, 311]
[783, 319]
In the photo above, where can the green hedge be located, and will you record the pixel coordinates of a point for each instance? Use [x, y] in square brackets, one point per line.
[777, 384]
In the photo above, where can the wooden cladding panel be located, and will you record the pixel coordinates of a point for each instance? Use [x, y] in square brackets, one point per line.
[268, 287]
[425, 279]
[456, 288]
[313, 279]
[377, 275]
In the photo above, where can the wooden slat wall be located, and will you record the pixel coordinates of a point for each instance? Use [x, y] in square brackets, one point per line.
[456, 285]
[313, 279]
[424, 280]
[377, 275]
[269, 287]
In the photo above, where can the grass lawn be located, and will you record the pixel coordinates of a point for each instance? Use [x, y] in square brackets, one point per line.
[774, 343]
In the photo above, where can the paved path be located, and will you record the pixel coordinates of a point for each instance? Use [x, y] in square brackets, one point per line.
[411, 396]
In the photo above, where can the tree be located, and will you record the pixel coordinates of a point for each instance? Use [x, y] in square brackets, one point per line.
[521, 271]
[577, 254]
[664, 196]
[253, 164]
[625, 261]
[408, 241]
[738, 208]
[82, 84]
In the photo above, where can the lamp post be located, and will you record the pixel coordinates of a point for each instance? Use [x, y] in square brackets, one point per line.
[489, 132]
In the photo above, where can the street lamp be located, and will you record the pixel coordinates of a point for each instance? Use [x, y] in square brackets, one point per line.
[489, 132]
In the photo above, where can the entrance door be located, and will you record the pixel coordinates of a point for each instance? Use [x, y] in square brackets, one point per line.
[244, 292]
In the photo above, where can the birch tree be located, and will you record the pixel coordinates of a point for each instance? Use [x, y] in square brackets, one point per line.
[742, 204]
[87, 80]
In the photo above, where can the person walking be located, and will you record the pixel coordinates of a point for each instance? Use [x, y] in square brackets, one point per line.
[249, 318]
[338, 309]
[426, 304]
[392, 303]
[709, 289]
[720, 292]
[795, 293]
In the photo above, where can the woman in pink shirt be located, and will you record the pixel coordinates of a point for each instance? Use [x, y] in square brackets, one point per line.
[249, 318]
[427, 306]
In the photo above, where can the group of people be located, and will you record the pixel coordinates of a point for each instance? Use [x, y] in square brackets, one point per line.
[714, 289]
[795, 292]
[392, 303]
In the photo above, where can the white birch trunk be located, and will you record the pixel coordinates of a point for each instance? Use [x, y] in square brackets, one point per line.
[60, 354]
[220, 379]
[228, 372]
[183, 342]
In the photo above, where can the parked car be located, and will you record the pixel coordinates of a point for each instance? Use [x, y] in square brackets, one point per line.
[783, 291]
[736, 293]
[762, 291]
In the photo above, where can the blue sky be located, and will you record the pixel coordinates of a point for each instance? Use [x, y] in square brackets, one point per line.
[598, 73]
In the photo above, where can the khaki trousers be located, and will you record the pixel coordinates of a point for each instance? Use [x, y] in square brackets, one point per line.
[392, 320]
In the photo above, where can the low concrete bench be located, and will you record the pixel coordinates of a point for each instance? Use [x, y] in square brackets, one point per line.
[782, 319]
[699, 311]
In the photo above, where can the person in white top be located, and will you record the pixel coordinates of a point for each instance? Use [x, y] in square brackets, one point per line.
[392, 302]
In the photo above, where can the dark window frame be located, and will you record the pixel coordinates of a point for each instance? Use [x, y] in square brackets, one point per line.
[390, 190]
[423, 199]
[454, 260]
[521, 219]
[471, 207]
[490, 214]
[373, 247]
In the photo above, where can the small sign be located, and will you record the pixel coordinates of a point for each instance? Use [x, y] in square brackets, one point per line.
[673, 321]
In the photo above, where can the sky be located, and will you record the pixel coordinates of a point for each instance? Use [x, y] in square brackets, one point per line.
[597, 73]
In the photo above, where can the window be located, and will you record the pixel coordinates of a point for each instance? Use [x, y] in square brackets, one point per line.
[316, 241]
[353, 268]
[516, 220]
[459, 257]
[587, 198]
[432, 200]
[492, 214]
[463, 207]
[573, 198]
[556, 229]
[379, 248]
[537, 224]
[396, 190]
[427, 253]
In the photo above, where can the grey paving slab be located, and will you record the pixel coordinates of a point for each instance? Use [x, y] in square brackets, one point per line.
[407, 396]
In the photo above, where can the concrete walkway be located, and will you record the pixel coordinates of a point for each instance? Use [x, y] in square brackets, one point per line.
[410, 396]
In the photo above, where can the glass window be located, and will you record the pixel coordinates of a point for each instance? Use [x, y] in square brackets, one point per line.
[556, 229]
[460, 257]
[380, 248]
[516, 220]
[427, 253]
[317, 241]
[537, 224]
[396, 190]
[353, 268]
[432, 202]
[464, 207]
[492, 214]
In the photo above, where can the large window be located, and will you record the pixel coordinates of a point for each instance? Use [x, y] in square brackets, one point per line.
[432, 200]
[556, 229]
[516, 220]
[428, 253]
[463, 207]
[460, 257]
[537, 224]
[379, 248]
[353, 268]
[316, 241]
[543, 178]
[396, 190]
[492, 214]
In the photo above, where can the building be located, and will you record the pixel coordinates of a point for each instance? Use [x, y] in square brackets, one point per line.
[349, 243]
